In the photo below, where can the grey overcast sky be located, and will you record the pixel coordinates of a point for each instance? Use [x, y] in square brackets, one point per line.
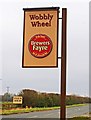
[44, 80]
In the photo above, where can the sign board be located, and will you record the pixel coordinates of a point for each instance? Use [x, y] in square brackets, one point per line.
[17, 99]
[40, 37]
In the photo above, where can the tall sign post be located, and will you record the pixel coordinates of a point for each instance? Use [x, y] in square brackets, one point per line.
[63, 64]
[40, 43]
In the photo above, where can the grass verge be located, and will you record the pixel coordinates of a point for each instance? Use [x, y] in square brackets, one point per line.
[76, 105]
[16, 111]
[24, 110]
[79, 118]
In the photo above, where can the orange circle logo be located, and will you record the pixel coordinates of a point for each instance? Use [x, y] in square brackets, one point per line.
[40, 46]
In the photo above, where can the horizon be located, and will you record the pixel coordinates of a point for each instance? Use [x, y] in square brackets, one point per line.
[72, 94]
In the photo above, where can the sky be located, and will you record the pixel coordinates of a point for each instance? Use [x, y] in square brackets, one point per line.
[44, 80]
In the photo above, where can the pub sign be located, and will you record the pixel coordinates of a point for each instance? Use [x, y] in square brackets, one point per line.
[40, 37]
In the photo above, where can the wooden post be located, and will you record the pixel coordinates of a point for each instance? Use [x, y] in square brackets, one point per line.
[63, 65]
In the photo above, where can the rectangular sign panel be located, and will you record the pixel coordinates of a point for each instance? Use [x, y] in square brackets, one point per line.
[40, 37]
[17, 99]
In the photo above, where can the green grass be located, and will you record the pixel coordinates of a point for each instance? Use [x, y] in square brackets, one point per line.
[75, 105]
[6, 102]
[16, 111]
[27, 110]
[80, 118]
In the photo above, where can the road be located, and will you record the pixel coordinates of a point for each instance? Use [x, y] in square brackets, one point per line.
[71, 112]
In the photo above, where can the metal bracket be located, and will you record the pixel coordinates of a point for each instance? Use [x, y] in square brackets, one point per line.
[59, 18]
[59, 57]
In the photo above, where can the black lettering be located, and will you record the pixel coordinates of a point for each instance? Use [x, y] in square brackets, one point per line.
[38, 24]
[32, 17]
[34, 24]
[43, 24]
[41, 17]
[47, 24]
[37, 17]
[45, 17]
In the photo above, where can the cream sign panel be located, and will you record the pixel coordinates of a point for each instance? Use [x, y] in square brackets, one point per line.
[40, 37]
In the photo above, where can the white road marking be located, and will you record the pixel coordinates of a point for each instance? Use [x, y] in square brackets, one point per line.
[33, 117]
[50, 114]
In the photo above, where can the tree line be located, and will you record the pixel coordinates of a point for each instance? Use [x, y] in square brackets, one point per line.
[32, 98]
